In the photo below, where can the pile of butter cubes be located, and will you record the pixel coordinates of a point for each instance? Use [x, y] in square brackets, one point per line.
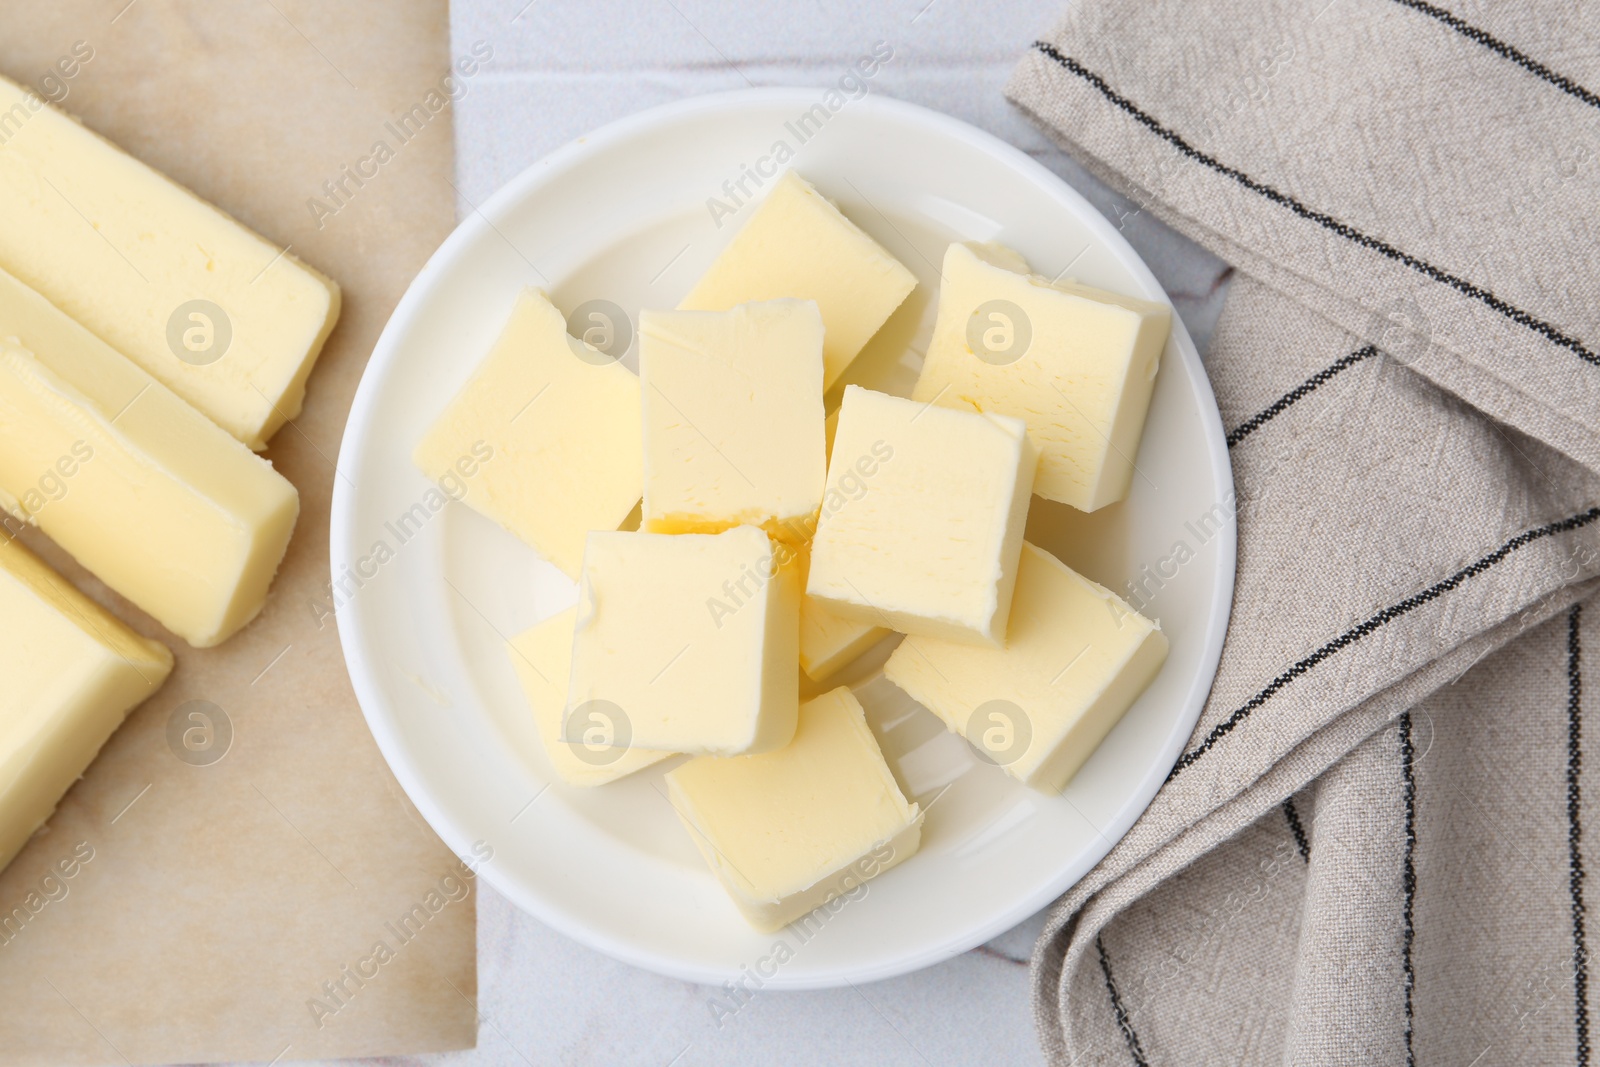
[775, 537]
[149, 346]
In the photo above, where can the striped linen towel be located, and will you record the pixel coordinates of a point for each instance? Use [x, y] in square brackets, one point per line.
[1373, 849]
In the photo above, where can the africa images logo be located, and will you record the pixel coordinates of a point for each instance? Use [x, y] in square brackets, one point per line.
[752, 177]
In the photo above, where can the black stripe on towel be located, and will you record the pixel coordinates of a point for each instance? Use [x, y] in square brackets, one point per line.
[1375, 623]
[1292, 816]
[1299, 392]
[1580, 950]
[1123, 1022]
[1499, 47]
[1321, 218]
[1408, 755]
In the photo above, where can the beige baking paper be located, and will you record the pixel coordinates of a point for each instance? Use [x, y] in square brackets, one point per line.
[212, 906]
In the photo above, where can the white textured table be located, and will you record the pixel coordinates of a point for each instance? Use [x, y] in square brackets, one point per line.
[559, 69]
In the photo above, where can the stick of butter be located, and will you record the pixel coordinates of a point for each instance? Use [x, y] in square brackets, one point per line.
[1076, 364]
[143, 490]
[686, 642]
[71, 672]
[797, 244]
[789, 831]
[589, 754]
[733, 419]
[1076, 658]
[212, 310]
[922, 520]
[560, 421]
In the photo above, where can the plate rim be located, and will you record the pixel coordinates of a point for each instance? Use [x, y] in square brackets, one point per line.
[354, 638]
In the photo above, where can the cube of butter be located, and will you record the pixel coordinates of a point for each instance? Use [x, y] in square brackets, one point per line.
[143, 490]
[797, 244]
[686, 642]
[215, 312]
[560, 425]
[922, 520]
[788, 831]
[1076, 364]
[732, 417]
[1076, 658]
[589, 755]
[72, 673]
[828, 640]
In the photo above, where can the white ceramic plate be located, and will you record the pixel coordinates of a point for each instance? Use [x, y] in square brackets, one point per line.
[623, 215]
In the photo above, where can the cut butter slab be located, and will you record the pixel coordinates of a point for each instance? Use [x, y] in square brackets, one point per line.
[798, 244]
[922, 520]
[829, 642]
[1076, 658]
[143, 490]
[1076, 364]
[686, 642]
[560, 424]
[733, 417]
[789, 831]
[215, 312]
[588, 754]
[72, 673]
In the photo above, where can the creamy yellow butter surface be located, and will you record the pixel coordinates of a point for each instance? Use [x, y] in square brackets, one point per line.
[560, 423]
[733, 419]
[589, 754]
[797, 244]
[687, 642]
[69, 674]
[790, 830]
[829, 641]
[215, 312]
[1076, 364]
[923, 516]
[143, 490]
[1076, 658]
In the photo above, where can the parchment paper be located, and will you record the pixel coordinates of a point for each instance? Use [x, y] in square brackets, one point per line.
[218, 897]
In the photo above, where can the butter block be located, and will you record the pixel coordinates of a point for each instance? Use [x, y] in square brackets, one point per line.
[829, 642]
[733, 417]
[798, 244]
[788, 831]
[213, 311]
[143, 490]
[72, 673]
[1076, 658]
[542, 656]
[1077, 364]
[688, 642]
[922, 520]
[561, 425]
